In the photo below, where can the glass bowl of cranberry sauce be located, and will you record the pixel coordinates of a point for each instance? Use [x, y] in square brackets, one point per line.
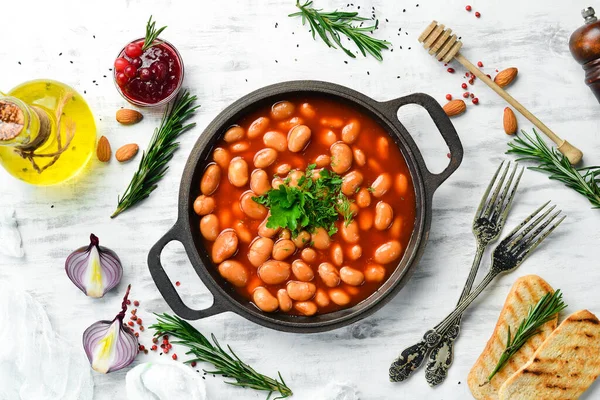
[148, 78]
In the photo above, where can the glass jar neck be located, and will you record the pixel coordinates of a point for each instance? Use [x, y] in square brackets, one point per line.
[21, 125]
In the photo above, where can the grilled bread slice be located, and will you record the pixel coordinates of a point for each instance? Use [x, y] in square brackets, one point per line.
[563, 367]
[525, 293]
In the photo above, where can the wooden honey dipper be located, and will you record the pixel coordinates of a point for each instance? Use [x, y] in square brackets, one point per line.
[444, 46]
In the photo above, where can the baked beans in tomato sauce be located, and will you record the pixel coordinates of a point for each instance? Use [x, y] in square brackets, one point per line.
[313, 272]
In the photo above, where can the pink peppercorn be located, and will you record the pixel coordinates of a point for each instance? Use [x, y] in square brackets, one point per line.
[475, 100]
[451, 70]
[464, 86]
[448, 96]
[479, 64]
[468, 8]
[174, 356]
[466, 94]
[478, 14]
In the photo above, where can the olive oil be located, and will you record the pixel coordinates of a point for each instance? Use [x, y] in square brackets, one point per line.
[54, 132]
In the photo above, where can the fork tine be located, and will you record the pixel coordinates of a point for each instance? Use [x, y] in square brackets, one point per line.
[478, 213]
[526, 241]
[525, 221]
[490, 206]
[500, 204]
[526, 252]
[511, 196]
[530, 227]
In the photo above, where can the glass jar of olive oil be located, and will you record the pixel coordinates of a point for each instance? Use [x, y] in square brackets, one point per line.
[47, 132]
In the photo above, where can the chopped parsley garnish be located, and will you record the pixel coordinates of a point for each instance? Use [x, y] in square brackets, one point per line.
[314, 203]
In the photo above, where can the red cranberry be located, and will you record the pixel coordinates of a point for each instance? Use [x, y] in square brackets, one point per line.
[137, 62]
[130, 71]
[122, 79]
[145, 74]
[133, 50]
[120, 64]
[159, 70]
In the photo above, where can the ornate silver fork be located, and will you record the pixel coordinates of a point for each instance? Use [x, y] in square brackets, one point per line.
[487, 225]
[507, 256]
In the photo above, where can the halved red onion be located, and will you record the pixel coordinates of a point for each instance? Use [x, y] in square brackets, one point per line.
[109, 345]
[94, 269]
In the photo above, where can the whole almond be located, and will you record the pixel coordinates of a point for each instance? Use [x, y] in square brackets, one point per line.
[103, 150]
[509, 121]
[454, 108]
[506, 76]
[128, 117]
[127, 152]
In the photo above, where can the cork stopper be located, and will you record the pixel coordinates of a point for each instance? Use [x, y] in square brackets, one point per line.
[12, 120]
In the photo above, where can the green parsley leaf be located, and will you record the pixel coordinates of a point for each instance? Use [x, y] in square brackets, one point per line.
[314, 203]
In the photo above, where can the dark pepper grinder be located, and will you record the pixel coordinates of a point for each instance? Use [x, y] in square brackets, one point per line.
[585, 48]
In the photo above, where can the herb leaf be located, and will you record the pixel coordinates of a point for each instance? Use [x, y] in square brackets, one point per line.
[153, 164]
[151, 34]
[583, 180]
[313, 203]
[336, 22]
[545, 309]
[225, 364]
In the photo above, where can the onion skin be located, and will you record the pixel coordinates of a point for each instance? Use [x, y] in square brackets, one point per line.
[109, 345]
[94, 269]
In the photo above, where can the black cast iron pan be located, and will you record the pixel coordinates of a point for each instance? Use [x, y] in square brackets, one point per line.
[186, 229]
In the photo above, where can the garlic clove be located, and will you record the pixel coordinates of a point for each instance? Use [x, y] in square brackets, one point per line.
[94, 269]
[109, 345]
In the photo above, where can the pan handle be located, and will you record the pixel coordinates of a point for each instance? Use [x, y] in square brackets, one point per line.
[442, 122]
[166, 288]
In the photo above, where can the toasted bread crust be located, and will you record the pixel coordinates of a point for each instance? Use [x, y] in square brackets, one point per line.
[563, 367]
[525, 292]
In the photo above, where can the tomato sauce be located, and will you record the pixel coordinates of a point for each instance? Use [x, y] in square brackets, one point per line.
[326, 119]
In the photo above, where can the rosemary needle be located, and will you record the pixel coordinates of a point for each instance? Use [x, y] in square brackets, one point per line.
[151, 34]
[331, 24]
[225, 364]
[153, 164]
[583, 180]
[545, 309]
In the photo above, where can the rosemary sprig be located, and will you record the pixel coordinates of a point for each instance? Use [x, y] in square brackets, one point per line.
[583, 180]
[545, 309]
[151, 34]
[336, 22]
[227, 365]
[153, 164]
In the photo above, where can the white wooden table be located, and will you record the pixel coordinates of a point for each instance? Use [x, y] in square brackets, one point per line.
[233, 47]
